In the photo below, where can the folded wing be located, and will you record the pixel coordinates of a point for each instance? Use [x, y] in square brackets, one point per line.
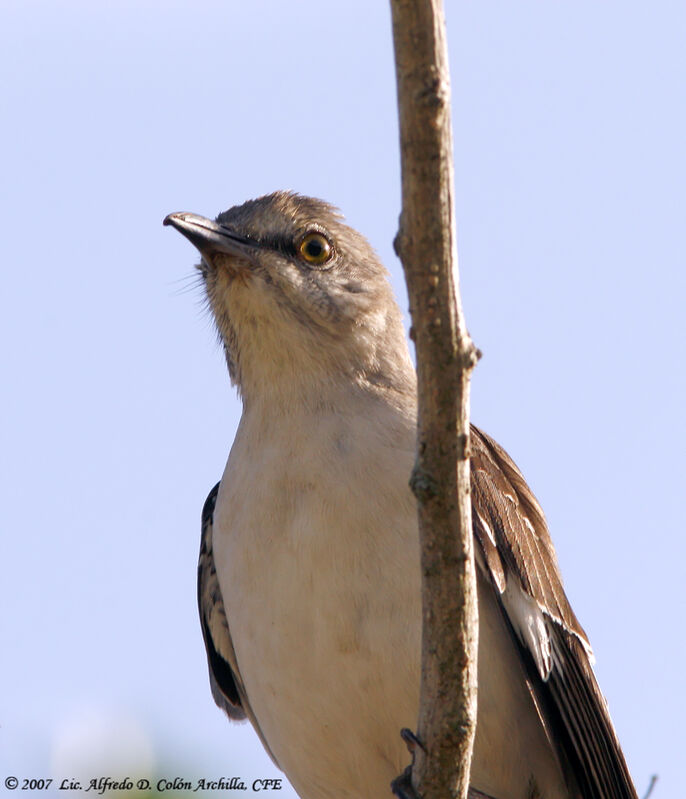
[516, 552]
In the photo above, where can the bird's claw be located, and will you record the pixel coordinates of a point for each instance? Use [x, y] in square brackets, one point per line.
[402, 786]
[411, 741]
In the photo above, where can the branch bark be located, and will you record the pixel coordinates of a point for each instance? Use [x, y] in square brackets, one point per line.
[426, 244]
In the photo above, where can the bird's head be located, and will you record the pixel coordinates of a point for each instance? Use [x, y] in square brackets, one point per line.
[298, 297]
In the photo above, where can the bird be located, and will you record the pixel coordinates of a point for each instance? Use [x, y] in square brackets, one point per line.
[309, 570]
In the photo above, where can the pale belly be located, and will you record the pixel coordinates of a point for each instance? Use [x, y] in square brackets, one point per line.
[326, 627]
[325, 618]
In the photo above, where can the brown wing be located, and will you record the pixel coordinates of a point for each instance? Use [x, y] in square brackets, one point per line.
[221, 659]
[225, 679]
[518, 556]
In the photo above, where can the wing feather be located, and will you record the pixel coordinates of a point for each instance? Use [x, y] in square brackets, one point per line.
[555, 648]
[225, 680]
[226, 686]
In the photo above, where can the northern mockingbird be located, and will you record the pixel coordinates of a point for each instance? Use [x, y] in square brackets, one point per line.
[309, 579]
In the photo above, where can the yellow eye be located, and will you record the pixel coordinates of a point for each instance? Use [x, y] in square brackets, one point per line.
[315, 249]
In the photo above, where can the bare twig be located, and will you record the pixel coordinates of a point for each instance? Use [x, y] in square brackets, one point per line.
[426, 244]
[653, 780]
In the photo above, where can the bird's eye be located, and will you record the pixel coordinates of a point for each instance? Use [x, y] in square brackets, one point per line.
[315, 249]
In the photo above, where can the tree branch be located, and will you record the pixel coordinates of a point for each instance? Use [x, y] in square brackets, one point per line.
[426, 244]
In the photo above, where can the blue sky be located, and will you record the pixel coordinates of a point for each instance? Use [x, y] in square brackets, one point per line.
[117, 414]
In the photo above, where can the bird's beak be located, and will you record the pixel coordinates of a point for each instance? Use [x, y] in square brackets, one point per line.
[210, 237]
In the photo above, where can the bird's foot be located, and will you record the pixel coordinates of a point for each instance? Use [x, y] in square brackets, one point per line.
[411, 741]
[402, 786]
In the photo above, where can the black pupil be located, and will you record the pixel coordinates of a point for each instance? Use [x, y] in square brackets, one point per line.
[314, 248]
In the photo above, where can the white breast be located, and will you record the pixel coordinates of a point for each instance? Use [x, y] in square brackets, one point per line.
[316, 548]
[317, 557]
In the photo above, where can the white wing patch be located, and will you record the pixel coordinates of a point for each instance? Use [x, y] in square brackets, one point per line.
[530, 624]
[487, 530]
